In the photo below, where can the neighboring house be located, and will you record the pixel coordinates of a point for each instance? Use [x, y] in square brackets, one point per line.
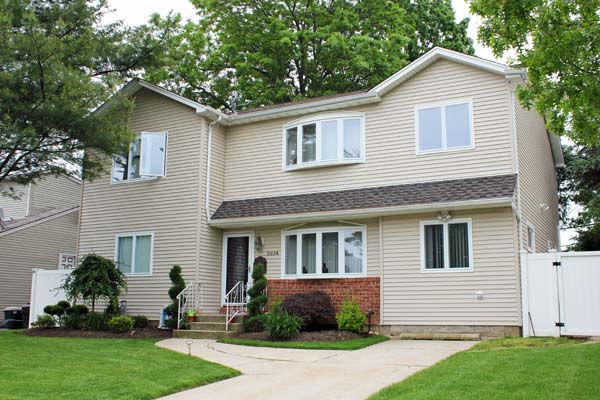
[414, 197]
[38, 230]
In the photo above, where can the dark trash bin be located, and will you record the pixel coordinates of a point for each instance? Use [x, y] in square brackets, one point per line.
[25, 311]
[13, 318]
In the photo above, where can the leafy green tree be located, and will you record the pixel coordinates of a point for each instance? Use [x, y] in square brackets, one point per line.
[57, 64]
[257, 52]
[557, 40]
[96, 278]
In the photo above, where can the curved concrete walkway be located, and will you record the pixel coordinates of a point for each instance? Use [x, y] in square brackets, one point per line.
[311, 374]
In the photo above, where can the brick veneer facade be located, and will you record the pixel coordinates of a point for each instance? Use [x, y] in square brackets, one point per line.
[363, 290]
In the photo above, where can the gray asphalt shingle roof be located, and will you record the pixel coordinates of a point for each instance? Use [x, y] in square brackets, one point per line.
[489, 187]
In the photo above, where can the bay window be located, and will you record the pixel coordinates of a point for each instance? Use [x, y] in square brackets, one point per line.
[446, 246]
[133, 253]
[444, 127]
[324, 140]
[324, 252]
[146, 158]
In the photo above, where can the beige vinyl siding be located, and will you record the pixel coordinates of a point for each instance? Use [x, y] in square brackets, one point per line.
[411, 297]
[217, 169]
[254, 151]
[537, 179]
[272, 243]
[14, 208]
[54, 192]
[35, 246]
[167, 206]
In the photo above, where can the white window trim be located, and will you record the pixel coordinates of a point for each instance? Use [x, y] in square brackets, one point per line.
[134, 235]
[532, 227]
[442, 105]
[446, 268]
[141, 178]
[319, 256]
[317, 120]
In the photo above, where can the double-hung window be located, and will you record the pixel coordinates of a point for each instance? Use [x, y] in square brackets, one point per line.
[146, 158]
[324, 252]
[444, 127]
[324, 140]
[133, 254]
[446, 246]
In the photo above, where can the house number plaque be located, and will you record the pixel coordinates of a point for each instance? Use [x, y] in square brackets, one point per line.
[272, 253]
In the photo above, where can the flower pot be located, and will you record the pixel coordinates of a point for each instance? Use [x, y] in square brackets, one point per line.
[191, 318]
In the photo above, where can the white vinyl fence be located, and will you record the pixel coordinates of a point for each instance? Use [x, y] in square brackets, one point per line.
[43, 290]
[561, 294]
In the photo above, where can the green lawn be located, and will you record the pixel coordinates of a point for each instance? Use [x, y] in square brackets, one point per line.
[508, 369]
[71, 368]
[353, 344]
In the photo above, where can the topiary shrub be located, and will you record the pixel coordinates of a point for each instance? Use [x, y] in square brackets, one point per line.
[178, 284]
[71, 321]
[96, 321]
[315, 309]
[64, 304]
[120, 324]
[255, 323]
[351, 318]
[140, 322]
[56, 310]
[258, 298]
[44, 321]
[77, 309]
[281, 325]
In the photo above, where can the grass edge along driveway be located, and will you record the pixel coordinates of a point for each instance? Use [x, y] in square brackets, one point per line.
[512, 368]
[352, 344]
[78, 368]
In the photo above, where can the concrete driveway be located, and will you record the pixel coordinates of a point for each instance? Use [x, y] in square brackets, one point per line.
[311, 374]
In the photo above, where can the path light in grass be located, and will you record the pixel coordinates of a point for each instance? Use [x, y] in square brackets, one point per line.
[189, 342]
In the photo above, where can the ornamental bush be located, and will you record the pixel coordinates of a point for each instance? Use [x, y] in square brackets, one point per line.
[258, 297]
[96, 321]
[140, 321]
[315, 309]
[351, 318]
[178, 285]
[281, 325]
[120, 324]
[71, 321]
[77, 309]
[44, 321]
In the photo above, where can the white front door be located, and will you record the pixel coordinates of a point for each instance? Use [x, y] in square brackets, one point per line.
[238, 254]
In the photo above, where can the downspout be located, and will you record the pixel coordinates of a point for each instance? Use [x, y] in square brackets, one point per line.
[381, 273]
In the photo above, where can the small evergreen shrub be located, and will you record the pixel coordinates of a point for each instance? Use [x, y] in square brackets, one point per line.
[77, 309]
[257, 292]
[351, 318]
[281, 325]
[255, 323]
[55, 310]
[71, 321]
[96, 321]
[140, 322]
[120, 324]
[64, 304]
[315, 309]
[178, 285]
[44, 321]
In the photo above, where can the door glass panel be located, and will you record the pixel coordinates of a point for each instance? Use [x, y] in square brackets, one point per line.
[330, 253]
[309, 253]
[237, 261]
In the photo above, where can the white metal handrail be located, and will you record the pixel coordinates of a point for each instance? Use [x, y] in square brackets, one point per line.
[190, 298]
[235, 303]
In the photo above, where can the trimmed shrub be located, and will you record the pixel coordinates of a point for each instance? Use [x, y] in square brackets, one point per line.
[258, 297]
[120, 324]
[71, 321]
[96, 321]
[178, 285]
[255, 323]
[77, 309]
[315, 309]
[44, 321]
[55, 310]
[351, 318]
[64, 304]
[281, 325]
[140, 321]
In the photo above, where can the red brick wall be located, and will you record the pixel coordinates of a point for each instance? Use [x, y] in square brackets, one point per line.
[363, 290]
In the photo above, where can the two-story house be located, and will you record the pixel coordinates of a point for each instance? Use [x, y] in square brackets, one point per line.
[414, 197]
[38, 229]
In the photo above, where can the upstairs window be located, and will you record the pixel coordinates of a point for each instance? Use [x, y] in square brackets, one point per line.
[444, 127]
[328, 139]
[146, 158]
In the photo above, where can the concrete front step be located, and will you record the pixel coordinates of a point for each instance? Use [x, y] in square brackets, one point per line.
[436, 336]
[216, 318]
[216, 326]
[201, 334]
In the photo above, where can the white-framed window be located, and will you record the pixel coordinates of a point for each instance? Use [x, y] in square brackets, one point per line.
[446, 246]
[531, 237]
[324, 252]
[147, 158]
[446, 126]
[134, 253]
[324, 139]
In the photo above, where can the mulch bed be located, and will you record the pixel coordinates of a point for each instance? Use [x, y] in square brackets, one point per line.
[145, 333]
[313, 336]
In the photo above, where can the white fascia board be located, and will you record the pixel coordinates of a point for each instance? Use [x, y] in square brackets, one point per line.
[359, 214]
[557, 153]
[436, 53]
[304, 108]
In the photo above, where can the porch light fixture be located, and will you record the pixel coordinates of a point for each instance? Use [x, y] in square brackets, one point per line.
[259, 243]
[444, 216]
[189, 343]
[544, 207]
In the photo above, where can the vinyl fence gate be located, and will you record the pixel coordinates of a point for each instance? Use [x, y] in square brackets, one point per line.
[561, 294]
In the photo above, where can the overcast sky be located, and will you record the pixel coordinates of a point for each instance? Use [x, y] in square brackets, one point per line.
[137, 12]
